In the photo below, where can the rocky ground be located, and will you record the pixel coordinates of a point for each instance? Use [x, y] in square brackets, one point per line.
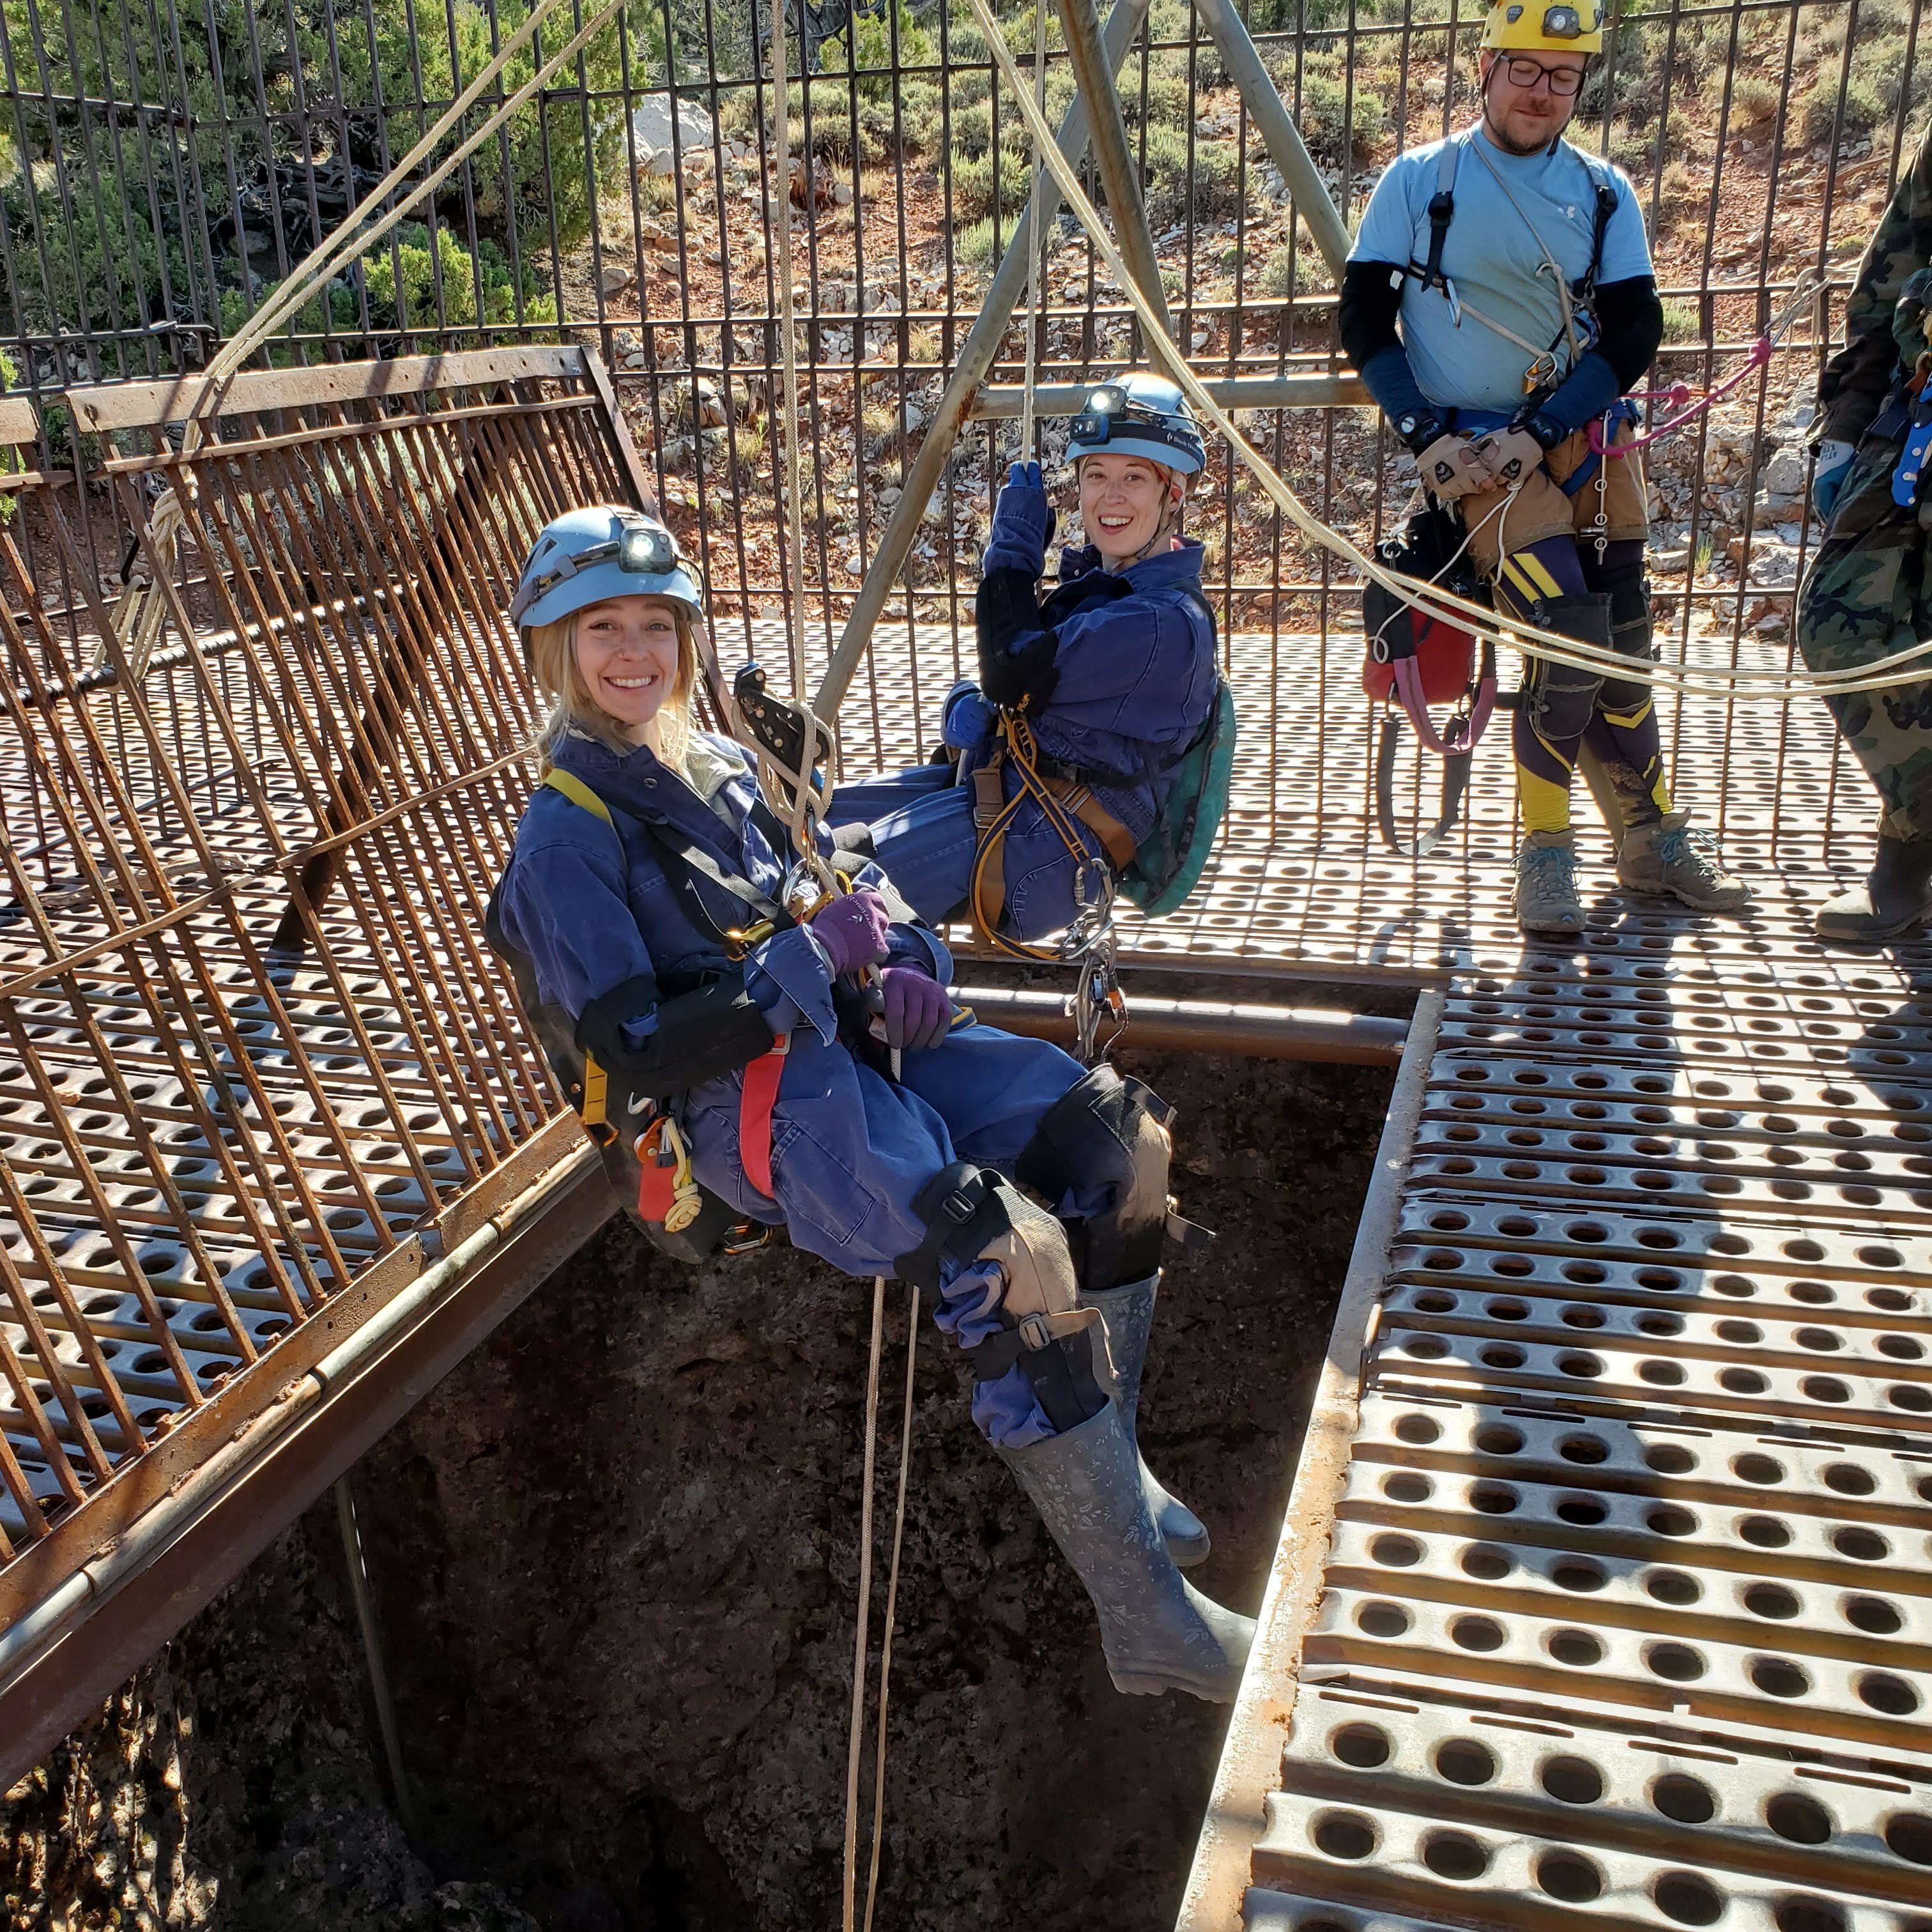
[615, 1557]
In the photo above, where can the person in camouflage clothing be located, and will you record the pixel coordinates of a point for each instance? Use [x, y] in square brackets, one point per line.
[1867, 594]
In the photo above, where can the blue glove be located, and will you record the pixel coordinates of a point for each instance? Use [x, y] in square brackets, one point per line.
[1023, 523]
[969, 720]
[1834, 463]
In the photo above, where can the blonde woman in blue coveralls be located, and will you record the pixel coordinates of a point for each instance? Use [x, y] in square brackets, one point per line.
[914, 1178]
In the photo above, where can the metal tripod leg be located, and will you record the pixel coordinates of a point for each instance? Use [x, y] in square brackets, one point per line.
[1285, 145]
[975, 357]
[1093, 76]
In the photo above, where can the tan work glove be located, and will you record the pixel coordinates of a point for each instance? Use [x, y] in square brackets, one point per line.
[1449, 469]
[1507, 456]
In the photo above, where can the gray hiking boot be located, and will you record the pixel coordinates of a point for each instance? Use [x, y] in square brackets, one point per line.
[1159, 1633]
[1128, 1312]
[1670, 860]
[1546, 884]
[1895, 898]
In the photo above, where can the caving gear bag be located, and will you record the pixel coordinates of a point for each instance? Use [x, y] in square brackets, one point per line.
[1416, 659]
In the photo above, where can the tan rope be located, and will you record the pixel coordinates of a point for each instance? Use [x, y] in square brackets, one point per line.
[1036, 245]
[857, 1731]
[1765, 684]
[891, 1605]
[794, 490]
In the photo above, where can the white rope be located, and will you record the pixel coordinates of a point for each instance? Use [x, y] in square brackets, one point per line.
[892, 1606]
[1035, 246]
[855, 1734]
[1765, 684]
[794, 491]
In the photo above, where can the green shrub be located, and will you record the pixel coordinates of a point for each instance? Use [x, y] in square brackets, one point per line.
[1330, 120]
[1680, 322]
[1817, 111]
[972, 185]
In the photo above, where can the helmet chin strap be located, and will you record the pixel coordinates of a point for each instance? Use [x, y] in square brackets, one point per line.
[1168, 526]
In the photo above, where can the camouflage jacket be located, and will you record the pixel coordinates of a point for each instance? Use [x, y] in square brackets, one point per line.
[1856, 379]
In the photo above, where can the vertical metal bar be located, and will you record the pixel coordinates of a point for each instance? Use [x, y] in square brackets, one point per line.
[372, 1655]
[976, 356]
[1093, 75]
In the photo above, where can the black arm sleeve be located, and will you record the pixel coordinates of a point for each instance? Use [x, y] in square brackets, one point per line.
[1005, 612]
[1630, 325]
[1368, 309]
[699, 1035]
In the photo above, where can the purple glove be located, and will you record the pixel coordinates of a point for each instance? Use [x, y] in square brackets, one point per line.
[917, 1013]
[853, 931]
[1023, 523]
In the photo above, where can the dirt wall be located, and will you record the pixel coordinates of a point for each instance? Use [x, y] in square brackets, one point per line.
[615, 1556]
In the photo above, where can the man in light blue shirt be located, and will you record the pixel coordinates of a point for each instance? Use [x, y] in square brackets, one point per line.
[1499, 301]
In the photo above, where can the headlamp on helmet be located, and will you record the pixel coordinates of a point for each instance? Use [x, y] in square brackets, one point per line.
[586, 555]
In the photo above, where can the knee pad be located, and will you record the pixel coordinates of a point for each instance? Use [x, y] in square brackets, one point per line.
[1105, 1142]
[1628, 590]
[973, 1214]
[1561, 697]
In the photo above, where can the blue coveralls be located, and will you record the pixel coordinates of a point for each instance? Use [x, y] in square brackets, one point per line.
[850, 1147]
[1137, 681]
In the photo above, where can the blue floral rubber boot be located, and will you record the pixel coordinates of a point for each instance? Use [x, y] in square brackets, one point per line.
[1546, 884]
[1158, 1631]
[1128, 1312]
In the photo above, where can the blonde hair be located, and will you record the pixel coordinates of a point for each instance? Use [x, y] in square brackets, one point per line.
[551, 650]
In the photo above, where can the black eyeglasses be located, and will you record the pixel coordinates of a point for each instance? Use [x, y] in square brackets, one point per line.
[1527, 74]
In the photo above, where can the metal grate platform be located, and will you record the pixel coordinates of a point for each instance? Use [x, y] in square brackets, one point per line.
[1604, 1595]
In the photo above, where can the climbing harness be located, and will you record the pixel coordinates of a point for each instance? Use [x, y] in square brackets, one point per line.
[1744, 682]
[668, 1197]
[1416, 659]
[1070, 809]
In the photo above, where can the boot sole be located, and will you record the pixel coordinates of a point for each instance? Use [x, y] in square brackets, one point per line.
[1155, 1687]
[1684, 898]
[1868, 935]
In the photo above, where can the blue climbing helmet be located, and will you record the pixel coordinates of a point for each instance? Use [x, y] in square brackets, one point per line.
[584, 556]
[1138, 414]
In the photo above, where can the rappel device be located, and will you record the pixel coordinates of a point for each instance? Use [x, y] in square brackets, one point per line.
[1415, 659]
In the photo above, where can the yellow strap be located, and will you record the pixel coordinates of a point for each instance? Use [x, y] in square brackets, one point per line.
[578, 792]
[595, 1120]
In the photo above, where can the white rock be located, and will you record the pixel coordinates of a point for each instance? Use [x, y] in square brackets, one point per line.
[1784, 474]
[614, 276]
[651, 130]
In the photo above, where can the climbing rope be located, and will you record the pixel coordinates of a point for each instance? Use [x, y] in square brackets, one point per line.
[794, 486]
[1035, 250]
[1764, 684]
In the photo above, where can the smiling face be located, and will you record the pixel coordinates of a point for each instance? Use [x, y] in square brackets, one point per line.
[1123, 499]
[1525, 119]
[627, 656]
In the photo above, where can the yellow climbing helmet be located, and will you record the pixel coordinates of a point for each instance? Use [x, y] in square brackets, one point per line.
[1567, 27]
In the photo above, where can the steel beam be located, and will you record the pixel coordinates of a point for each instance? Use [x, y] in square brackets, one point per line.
[1285, 147]
[1251, 1755]
[1208, 1026]
[1093, 76]
[976, 356]
[1315, 390]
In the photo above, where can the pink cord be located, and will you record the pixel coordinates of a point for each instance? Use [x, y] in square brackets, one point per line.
[1464, 734]
[1680, 393]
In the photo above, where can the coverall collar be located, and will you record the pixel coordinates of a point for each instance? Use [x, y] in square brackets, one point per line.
[1180, 566]
[639, 782]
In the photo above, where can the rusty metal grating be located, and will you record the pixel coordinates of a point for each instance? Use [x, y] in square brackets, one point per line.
[250, 1043]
